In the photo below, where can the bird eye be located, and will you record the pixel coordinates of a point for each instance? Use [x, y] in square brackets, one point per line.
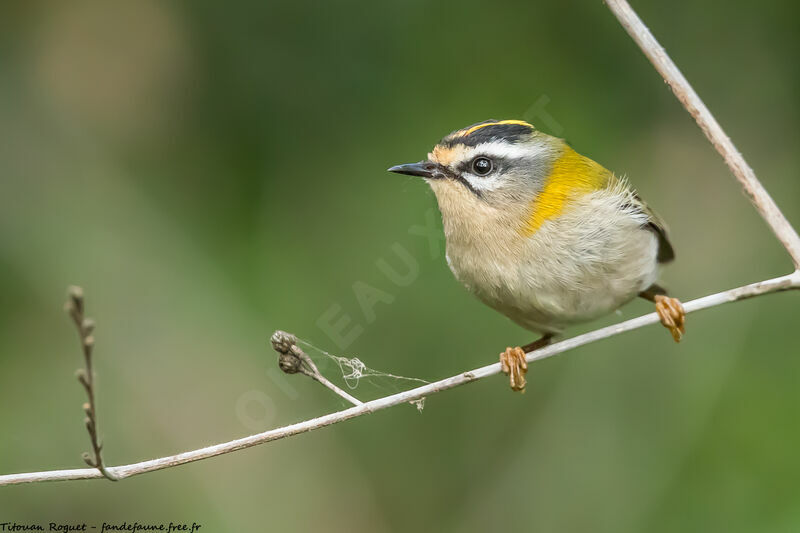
[482, 166]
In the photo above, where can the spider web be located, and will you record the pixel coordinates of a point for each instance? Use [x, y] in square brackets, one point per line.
[353, 370]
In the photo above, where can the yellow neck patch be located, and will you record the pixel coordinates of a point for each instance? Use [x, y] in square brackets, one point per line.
[572, 175]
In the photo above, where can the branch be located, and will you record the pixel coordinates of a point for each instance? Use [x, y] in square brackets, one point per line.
[75, 307]
[694, 105]
[292, 358]
[791, 281]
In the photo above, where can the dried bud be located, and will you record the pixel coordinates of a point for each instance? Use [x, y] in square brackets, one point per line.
[289, 362]
[289, 359]
[87, 326]
[282, 342]
[76, 298]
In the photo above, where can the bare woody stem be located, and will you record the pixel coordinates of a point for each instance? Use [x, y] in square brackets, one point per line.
[294, 360]
[758, 195]
[75, 308]
[791, 281]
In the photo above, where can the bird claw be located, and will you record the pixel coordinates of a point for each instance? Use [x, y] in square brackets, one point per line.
[672, 315]
[515, 366]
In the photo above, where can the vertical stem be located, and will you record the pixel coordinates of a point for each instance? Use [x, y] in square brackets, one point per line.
[85, 326]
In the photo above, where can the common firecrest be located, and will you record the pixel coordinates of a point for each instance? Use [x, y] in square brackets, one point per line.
[542, 234]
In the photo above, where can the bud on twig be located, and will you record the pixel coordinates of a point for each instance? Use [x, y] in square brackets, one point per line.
[288, 357]
[74, 307]
[87, 326]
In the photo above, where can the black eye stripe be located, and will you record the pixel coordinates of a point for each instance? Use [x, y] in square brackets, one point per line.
[456, 175]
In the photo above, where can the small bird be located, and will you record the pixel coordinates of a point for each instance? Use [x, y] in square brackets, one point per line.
[543, 234]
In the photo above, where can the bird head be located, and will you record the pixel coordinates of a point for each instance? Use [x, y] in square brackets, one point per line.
[504, 170]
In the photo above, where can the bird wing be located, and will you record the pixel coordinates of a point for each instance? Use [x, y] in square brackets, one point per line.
[657, 225]
[651, 220]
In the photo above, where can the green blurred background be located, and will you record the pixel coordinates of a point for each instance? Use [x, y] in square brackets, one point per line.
[210, 172]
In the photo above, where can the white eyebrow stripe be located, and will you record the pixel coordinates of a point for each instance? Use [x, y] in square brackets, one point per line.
[507, 150]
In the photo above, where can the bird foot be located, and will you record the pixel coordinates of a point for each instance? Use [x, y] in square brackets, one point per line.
[514, 365]
[672, 315]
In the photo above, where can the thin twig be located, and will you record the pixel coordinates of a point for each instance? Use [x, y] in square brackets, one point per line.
[75, 308]
[293, 360]
[691, 101]
[758, 195]
[791, 281]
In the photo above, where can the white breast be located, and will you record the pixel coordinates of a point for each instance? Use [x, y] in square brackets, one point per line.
[585, 263]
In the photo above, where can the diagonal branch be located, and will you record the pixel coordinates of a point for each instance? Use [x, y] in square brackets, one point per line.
[758, 195]
[782, 283]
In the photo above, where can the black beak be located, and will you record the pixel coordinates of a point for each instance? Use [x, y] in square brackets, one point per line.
[423, 169]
